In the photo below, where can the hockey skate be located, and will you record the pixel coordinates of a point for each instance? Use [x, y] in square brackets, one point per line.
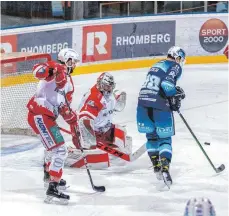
[53, 193]
[157, 166]
[165, 172]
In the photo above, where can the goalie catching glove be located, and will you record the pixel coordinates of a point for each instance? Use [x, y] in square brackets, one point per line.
[120, 97]
[175, 101]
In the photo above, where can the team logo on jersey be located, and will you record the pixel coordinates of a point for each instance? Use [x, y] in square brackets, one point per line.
[172, 74]
[91, 103]
[213, 35]
[108, 113]
[164, 129]
[44, 132]
[56, 134]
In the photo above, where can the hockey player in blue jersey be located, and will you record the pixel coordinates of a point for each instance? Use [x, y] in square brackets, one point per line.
[158, 98]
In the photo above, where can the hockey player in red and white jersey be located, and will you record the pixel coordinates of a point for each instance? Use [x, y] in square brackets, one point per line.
[95, 116]
[54, 89]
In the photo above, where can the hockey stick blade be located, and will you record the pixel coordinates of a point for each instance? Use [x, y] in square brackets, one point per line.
[220, 168]
[99, 188]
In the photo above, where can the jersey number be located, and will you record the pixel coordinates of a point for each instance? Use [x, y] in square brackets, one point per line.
[152, 82]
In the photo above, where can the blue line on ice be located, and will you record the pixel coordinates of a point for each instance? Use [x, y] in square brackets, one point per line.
[18, 148]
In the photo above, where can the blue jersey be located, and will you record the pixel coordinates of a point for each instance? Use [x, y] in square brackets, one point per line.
[160, 83]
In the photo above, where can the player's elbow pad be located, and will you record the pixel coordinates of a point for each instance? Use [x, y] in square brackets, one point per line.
[168, 88]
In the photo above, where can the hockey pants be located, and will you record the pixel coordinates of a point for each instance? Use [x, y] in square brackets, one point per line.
[47, 130]
[158, 126]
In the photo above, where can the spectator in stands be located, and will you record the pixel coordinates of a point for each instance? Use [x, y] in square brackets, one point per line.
[222, 7]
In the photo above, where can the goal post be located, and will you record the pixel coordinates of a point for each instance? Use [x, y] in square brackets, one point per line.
[17, 86]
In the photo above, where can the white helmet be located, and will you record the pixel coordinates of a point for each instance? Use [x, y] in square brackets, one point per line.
[106, 84]
[199, 207]
[176, 52]
[67, 54]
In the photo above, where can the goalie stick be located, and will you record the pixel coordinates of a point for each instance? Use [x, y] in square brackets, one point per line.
[132, 157]
[95, 188]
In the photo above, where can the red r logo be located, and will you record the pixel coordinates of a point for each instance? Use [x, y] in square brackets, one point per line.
[97, 43]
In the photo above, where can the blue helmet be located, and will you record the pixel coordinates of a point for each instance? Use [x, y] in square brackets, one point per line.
[175, 52]
[199, 207]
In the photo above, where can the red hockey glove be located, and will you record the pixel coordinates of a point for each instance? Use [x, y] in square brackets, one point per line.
[60, 76]
[69, 116]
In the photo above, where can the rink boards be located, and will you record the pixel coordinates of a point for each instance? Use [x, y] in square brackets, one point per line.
[122, 43]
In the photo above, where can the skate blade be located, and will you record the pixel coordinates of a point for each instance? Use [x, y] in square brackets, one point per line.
[48, 199]
[62, 188]
[54, 200]
[159, 176]
[46, 184]
[161, 186]
[167, 183]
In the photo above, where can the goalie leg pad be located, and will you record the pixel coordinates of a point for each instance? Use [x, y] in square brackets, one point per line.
[121, 140]
[87, 133]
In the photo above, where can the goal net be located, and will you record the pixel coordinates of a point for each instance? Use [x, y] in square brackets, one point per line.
[17, 86]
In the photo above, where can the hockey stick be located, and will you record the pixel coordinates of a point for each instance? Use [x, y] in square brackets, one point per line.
[116, 152]
[217, 170]
[122, 155]
[95, 188]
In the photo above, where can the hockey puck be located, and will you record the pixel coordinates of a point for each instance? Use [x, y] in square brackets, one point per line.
[207, 143]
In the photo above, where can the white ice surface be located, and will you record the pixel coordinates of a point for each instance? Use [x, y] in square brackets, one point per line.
[133, 189]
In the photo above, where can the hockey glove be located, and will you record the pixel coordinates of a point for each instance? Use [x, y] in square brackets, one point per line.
[60, 76]
[69, 116]
[175, 101]
[120, 97]
[180, 92]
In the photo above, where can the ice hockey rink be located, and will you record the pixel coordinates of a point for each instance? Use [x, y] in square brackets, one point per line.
[132, 189]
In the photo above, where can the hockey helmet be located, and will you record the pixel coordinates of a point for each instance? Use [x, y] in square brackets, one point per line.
[69, 57]
[199, 207]
[177, 54]
[106, 84]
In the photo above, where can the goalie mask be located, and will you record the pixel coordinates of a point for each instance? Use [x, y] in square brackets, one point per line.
[69, 57]
[106, 84]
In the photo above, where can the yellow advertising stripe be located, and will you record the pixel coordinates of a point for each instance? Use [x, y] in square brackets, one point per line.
[206, 59]
[112, 66]
[16, 80]
[132, 64]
